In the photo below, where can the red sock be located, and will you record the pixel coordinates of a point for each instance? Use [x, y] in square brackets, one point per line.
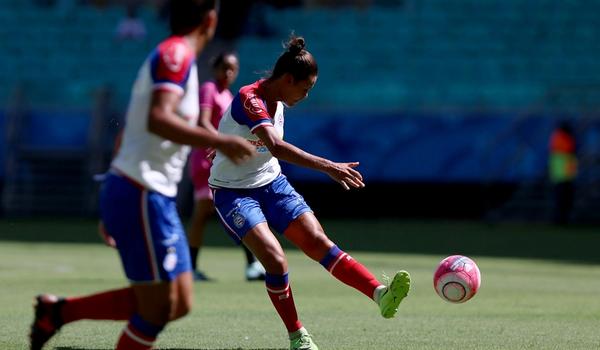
[112, 305]
[138, 335]
[281, 296]
[132, 340]
[343, 267]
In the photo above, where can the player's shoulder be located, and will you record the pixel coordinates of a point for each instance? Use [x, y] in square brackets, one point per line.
[248, 102]
[176, 44]
[251, 90]
[175, 53]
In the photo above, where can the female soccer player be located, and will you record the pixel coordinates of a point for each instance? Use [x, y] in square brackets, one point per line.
[215, 97]
[255, 195]
[137, 197]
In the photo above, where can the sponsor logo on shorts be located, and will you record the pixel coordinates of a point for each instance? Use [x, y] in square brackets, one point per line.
[238, 220]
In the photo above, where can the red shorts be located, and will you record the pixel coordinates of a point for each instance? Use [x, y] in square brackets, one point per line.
[199, 173]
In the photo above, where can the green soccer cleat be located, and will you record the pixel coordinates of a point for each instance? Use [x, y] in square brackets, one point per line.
[303, 341]
[396, 291]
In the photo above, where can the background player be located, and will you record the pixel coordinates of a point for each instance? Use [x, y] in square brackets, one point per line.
[215, 97]
[255, 195]
[137, 198]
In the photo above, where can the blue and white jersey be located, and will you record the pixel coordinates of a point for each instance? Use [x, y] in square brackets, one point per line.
[247, 112]
[154, 162]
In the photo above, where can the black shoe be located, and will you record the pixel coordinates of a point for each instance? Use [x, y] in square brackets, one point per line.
[47, 320]
[201, 276]
[255, 272]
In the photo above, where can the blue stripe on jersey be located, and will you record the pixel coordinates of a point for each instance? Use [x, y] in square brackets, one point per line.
[154, 61]
[240, 116]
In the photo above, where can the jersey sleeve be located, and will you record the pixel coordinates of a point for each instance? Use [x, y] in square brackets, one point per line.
[250, 110]
[207, 93]
[170, 66]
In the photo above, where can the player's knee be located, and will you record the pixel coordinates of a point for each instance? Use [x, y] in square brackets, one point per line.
[317, 245]
[183, 308]
[275, 262]
[159, 314]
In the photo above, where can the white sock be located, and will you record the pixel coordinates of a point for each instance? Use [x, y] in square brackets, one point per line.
[378, 292]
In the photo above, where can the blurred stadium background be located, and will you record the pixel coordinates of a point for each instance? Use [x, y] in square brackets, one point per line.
[448, 105]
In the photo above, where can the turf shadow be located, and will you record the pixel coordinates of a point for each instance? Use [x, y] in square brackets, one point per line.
[575, 243]
[70, 348]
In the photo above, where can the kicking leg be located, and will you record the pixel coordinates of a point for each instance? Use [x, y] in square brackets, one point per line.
[308, 235]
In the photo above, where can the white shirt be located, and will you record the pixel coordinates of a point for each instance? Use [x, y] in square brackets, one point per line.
[154, 162]
[246, 113]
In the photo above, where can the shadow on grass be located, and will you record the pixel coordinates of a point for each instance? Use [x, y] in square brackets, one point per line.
[436, 237]
[70, 348]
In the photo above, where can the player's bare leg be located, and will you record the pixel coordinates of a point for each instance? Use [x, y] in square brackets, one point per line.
[261, 241]
[203, 210]
[166, 301]
[307, 234]
[157, 304]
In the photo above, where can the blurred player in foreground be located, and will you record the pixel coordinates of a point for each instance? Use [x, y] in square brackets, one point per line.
[250, 197]
[215, 98]
[137, 201]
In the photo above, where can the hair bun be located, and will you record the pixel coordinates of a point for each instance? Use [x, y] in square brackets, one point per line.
[296, 45]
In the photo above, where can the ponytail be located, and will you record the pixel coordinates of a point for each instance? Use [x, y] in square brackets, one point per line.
[295, 60]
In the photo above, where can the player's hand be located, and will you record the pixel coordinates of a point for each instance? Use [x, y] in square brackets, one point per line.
[237, 149]
[346, 175]
[210, 154]
[108, 240]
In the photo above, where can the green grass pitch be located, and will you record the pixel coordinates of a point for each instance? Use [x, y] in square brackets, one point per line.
[540, 289]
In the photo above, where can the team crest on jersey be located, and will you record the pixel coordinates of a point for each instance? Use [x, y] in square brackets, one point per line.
[174, 56]
[253, 104]
[238, 220]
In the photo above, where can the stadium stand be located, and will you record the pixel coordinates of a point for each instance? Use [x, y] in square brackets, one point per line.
[455, 59]
[424, 55]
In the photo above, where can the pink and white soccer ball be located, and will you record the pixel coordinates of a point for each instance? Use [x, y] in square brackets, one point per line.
[457, 279]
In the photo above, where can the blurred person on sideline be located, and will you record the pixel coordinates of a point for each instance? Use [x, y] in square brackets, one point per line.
[253, 197]
[137, 198]
[562, 171]
[215, 98]
[131, 27]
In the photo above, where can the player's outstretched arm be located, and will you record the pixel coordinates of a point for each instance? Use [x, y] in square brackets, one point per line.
[236, 148]
[164, 122]
[343, 173]
[346, 175]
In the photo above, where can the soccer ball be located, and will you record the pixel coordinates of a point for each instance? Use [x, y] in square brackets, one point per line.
[457, 279]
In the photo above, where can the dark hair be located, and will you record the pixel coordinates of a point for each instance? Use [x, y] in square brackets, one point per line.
[187, 15]
[218, 60]
[295, 60]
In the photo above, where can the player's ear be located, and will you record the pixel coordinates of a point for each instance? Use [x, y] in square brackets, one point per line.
[289, 79]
